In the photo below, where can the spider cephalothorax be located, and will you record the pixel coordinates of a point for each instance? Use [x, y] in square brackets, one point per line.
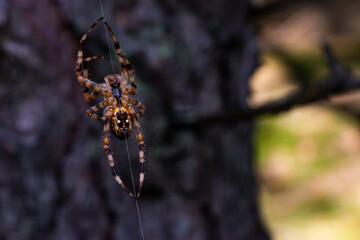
[119, 115]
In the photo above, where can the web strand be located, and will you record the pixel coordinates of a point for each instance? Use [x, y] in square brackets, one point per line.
[133, 184]
[107, 39]
[126, 143]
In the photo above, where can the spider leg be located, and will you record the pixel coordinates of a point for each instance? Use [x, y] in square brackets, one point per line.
[83, 80]
[137, 104]
[132, 113]
[92, 111]
[88, 59]
[106, 136]
[94, 94]
[126, 66]
[90, 97]
[139, 137]
[80, 52]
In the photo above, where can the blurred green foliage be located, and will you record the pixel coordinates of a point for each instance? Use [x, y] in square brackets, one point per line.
[307, 173]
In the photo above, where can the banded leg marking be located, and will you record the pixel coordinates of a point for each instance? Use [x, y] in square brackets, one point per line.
[83, 80]
[85, 74]
[92, 111]
[126, 66]
[137, 104]
[80, 52]
[106, 136]
[92, 96]
[139, 137]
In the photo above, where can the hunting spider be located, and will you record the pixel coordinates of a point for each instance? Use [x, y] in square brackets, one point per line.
[119, 114]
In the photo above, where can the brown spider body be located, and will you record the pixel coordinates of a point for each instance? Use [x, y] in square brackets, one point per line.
[120, 125]
[119, 115]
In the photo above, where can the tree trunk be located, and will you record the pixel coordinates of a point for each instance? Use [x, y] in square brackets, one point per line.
[191, 58]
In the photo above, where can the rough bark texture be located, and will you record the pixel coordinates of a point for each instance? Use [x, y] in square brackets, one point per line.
[190, 57]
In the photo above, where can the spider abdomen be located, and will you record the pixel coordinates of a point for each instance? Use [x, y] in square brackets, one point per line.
[121, 126]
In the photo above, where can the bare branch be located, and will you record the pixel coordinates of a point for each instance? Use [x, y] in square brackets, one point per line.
[339, 82]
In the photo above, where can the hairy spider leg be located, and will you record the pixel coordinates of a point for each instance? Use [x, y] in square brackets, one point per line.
[106, 138]
[86, 82]
[127, 70]
[91, 112]
[137, 104]
[139, 137]
[125, 103]
[94, 94]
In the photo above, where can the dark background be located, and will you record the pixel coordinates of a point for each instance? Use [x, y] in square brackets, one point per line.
[193, 62]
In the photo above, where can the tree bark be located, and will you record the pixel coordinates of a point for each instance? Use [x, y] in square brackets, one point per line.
[190, 57]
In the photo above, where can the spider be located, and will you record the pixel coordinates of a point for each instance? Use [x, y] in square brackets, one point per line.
[119, 115]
